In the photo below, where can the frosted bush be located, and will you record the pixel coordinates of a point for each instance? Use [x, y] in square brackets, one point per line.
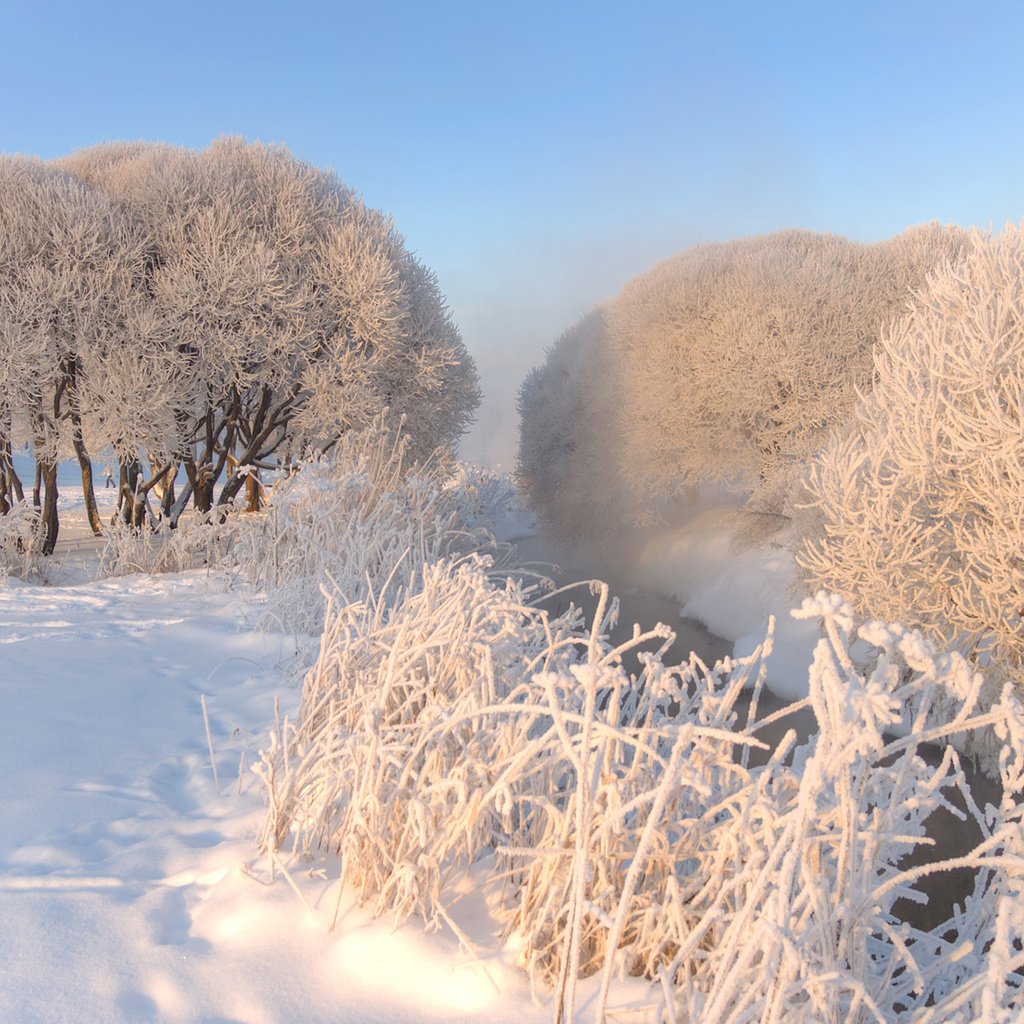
[484, 499]
[917, 511]
[366, 520]
[200, 540]
[729, 363]
[17, 537]
[455, 731]
[570, 435]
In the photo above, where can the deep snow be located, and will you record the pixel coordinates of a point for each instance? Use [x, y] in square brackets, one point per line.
[130, 889]
[128, 886]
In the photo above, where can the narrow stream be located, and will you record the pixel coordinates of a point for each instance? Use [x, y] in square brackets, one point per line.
[952, 836]
[635, 606]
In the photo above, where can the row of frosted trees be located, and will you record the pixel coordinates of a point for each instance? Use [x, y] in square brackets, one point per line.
[867, 400]
[223, 312]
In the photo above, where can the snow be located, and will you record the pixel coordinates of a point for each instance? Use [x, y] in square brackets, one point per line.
[123, 884]
[131, 887]
[732, 590]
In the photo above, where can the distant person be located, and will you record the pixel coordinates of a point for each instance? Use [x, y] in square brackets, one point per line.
[108, 475]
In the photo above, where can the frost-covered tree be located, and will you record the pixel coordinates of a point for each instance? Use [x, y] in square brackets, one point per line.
[570, 423]
[729, 363]
[282, 313]
[69, 264]
[917, 510]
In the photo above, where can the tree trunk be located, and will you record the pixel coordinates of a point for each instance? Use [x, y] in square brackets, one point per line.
[253, 492]
[180, 504]
[6, 472]
[131, 502]
[77, 439]
[10, 486]
[231, 487]
[14, 481]
[49, 523]
[37, 488]
[167, 498]
[201, 478]
[85, 464]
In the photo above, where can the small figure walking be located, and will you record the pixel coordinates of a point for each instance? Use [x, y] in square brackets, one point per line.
[108, 475]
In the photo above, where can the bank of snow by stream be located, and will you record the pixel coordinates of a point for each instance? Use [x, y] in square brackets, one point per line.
[732, 590]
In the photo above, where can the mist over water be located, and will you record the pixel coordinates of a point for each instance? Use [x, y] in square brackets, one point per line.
[535, 289]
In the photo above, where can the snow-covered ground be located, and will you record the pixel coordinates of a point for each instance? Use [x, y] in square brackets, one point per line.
[130, 885]
[129, 889]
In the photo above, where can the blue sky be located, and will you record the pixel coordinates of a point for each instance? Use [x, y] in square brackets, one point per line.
[539, 155]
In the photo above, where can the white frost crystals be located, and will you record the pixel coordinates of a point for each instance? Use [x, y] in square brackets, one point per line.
[625, 826]
[917, 510]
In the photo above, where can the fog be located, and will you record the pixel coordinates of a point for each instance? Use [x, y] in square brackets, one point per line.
[514, 297]
[535, 290]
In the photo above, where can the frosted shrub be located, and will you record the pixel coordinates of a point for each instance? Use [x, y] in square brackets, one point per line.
[483, 498]
[616, 824]
[729, 363]
[207, 310]
[17, 536]
[362, 518]
[200, 540]
[918, 510]
[397, 697]
[815, 936]
[570, 428]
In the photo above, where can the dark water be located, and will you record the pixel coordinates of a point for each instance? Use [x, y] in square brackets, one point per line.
[635, 606]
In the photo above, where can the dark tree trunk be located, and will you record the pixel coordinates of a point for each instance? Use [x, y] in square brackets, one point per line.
[131, 499]
[49, 522]
[6, 483]
[231, 487]
[12, 475]
[38, 487]
[180, 504]
[85, 464]
[10, 486]
[167, 498]
[77, 439]
[202, 491]
[203, 478]
[253, 492]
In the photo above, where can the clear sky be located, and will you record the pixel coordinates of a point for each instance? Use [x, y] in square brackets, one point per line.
[539, 155]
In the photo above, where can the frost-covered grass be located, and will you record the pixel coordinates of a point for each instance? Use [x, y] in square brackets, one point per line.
[362, 518]
[454, 725]
[129, 887]
[16, 529]
[462, 759]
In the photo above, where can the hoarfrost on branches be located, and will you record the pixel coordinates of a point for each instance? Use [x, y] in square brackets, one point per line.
[729, 363]
[916, 512]
[621, 825]
[225, 312]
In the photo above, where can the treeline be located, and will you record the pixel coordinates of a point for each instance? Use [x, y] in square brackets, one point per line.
[223, 311]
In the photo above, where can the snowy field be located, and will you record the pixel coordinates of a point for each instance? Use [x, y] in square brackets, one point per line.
[131, 886]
